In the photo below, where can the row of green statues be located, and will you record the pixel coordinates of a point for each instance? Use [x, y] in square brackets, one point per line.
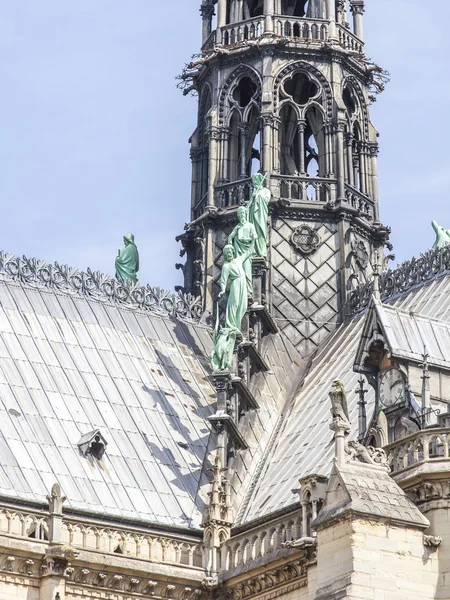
[248, 239]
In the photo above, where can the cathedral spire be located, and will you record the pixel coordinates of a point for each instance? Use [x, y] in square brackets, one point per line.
[284, 89]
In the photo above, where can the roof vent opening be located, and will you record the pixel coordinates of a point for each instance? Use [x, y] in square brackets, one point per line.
[93, 444]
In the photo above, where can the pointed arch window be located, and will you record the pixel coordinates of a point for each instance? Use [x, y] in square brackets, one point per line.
[244, 125]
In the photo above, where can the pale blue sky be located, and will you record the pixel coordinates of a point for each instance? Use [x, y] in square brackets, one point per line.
[93, 132]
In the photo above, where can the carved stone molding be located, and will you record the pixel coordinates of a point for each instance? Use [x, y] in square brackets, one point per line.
[273, 583]
[100, 287]
[431, 264]
[305, 239]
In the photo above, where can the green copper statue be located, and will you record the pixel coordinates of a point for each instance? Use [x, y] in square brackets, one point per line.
[242, 237]
[442, 235]
[225, 337]
[127, 261]
[233, 270]
[222, 356]
[258, 210]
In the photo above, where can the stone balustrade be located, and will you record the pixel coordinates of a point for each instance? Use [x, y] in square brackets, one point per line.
[348, 40]
[299, 29]
[426, 446]
[282, 534]
[359, 201]
[305, 29]
[32, 525]
[132, 544]
[239, 32]
[296, 188]
[234, 193]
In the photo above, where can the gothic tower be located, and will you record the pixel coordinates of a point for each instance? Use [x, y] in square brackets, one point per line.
[284, 88]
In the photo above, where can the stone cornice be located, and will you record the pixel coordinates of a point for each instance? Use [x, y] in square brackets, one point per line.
[272, 582]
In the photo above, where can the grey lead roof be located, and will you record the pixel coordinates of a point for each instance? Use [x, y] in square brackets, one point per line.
[70, 365]
[408, 334]
[304, 443]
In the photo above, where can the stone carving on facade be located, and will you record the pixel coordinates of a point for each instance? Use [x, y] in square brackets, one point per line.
[339, 407]
[432, 542]
[98, 286]
[292, 574]
[367, 454]
[430, 264]
[305, 239]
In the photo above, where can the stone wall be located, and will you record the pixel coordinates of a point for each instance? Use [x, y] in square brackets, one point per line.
[371, 560]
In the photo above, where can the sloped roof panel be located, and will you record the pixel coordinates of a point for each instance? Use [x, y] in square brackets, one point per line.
[70, 365]
[304, 443]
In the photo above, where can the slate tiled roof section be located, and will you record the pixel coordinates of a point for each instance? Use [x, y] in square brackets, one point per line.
[304, 442]
[70, 365]
[368, 490]
[408, 334]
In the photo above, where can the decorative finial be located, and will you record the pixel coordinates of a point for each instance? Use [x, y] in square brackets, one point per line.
[426, 399]
[376, 277]
[362, 421]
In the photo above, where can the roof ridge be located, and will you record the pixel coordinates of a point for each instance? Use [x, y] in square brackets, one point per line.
[98, 286]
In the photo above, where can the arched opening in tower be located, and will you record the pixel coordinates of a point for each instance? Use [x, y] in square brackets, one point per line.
[290, 151]
[314, 143]
[253, 8]
[311, 9]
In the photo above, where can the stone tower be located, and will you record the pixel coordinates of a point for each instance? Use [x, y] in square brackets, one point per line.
[284, 88]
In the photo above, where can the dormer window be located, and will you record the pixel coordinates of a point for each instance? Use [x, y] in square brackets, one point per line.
[93, 443]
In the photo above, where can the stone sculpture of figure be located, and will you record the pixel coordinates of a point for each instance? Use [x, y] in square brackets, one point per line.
[127, 261]
[442, 235]
[242, 237]
[233, 270]
[258, 211]
[339, 408]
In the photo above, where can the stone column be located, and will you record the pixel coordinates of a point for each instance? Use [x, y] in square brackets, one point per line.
[301, 147]
[373, 149]
[55, 505]
[223, 155]
[362, 168]
[331, 16]
[214, 136]
[207, 12]
[357, 8]
[266, 147]
[340, 128]
[243, 132]
[222, 13]
[268, 12]
[259, 270]
[221, 383]
[329, 167]
[349, 145]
